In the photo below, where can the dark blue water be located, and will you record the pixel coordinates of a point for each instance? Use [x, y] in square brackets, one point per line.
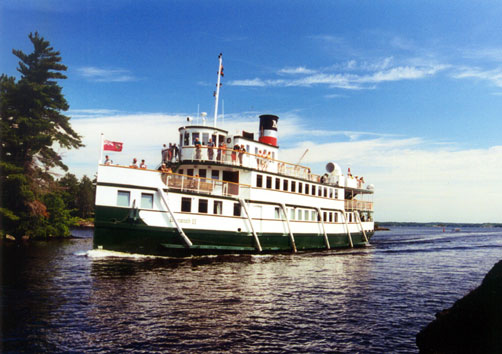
[58, 297]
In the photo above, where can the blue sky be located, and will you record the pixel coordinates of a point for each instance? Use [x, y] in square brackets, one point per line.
[406, 93]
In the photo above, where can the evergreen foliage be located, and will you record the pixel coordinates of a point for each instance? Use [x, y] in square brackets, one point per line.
[31, 123]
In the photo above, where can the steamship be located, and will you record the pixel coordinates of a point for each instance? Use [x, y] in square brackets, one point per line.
[230, 193]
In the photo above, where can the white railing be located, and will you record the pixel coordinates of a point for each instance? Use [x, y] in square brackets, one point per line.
[246, 159]
[203, 185]
[352, 204]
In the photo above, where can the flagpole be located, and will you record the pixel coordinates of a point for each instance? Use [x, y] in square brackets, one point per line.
[101, 149]
[217, 89]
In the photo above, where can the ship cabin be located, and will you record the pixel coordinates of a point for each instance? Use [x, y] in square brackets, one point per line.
[214, 162]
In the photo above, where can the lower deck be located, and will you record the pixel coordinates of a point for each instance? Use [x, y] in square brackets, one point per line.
[124, 230]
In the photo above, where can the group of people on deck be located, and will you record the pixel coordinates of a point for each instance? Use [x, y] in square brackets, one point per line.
[170, 153]
[134, 164]
[360, 180]
[263, 159]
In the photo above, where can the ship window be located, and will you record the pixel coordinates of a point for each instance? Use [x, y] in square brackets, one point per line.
[195, 136]
[202, 173]
[205, 138]
[237, 209]
[306, 188]
[300, 214]
[123, 198]
[202, 205]
[277, 183]
[181, 139]
[285, 185]
[293, 186]
[350, 217]
[330, 217]
[307, 214]
[325, 192]
[292, 214]
[215, 174]
[336, 217]
[313, 189]
[190, 171]
[331, 193]
[218, 207]
[180, 171]
[325, 217]
[277, 213]
[259, 181]
[186, 204]
[300, 187]
[269, 182]
[146, 201]
[213, 139]
[319, 191]
[336, 193]
[221, 139]
[313, 215]
[187, 139]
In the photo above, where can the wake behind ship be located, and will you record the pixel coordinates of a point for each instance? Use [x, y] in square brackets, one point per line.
[229, 193]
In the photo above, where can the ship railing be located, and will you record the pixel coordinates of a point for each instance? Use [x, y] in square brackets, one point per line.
[202, 185]
[353, 204]
[232, 157]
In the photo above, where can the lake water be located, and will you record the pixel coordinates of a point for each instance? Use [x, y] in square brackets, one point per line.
[59, 296]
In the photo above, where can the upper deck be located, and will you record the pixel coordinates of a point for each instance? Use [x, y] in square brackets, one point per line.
[255, 156]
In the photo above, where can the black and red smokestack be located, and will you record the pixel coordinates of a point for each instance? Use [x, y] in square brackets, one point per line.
[268, 129]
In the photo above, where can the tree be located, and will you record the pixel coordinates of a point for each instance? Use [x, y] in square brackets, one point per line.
[86, 192]
[70, 186]
[31, 123]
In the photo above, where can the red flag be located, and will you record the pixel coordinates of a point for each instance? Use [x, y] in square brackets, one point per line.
[112, 146]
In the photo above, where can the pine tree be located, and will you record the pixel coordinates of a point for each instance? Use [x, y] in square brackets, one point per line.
[31, 122]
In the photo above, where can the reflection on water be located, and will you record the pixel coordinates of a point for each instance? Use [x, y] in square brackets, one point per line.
[60, 296]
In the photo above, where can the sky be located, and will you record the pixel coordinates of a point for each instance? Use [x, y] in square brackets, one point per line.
[407, 94]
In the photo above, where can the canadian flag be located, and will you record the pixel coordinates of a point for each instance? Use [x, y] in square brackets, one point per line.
[112, 145]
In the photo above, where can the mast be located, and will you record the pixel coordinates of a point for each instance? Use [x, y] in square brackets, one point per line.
[218, 84]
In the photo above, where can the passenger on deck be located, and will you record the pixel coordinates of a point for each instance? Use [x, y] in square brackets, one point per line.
[176, 152]
[134, 163]
[242, 151]
[223, 151]
[107, 160]
[164, 153]
[170, 152]
[259, 160]
[268, 159]
[210, 150]
[142, 165]
[197, 149]
[165, 172]
[218, 152]
[234, 154]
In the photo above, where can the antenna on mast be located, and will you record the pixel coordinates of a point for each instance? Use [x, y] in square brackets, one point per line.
[218, 84]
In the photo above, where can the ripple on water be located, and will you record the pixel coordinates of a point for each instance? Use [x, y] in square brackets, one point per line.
[64, 297]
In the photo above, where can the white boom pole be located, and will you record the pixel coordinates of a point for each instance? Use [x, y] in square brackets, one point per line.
[220, 67]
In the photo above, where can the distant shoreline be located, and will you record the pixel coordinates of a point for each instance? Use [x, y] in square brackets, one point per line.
[435, 224]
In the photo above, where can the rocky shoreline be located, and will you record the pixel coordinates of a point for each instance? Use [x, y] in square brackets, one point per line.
[472, 325]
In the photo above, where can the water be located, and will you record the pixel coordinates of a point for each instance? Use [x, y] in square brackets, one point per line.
[61, 297]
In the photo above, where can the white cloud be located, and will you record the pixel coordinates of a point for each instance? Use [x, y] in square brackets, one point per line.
[297, 70]
[93, 73]
[494, 76]
[349, 81]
